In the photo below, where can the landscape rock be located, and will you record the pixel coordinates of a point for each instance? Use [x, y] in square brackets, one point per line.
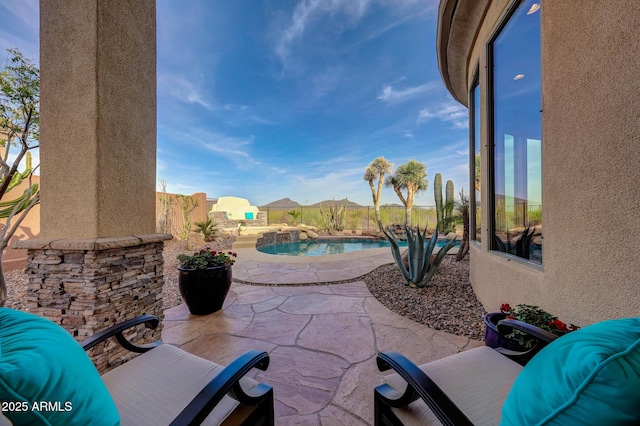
[371, 232]
[195, 240]
[451, 235]
[224, 234]
[303, 236]
[399, 231]
[311, 234]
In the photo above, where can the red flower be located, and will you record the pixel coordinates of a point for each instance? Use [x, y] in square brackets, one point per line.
[558, 324]
[504, 308]
[510, 317]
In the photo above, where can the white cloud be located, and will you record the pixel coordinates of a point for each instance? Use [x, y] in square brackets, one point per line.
[424, 8]
[308, 11]
[240, 115]
[450, 112]
[235, 149]
[26, 11]
[20, 28]
[180, 188]
[181, 88]
[326, 81]
[230, 147]
[409, 4]
[391, 95]
[338, 183]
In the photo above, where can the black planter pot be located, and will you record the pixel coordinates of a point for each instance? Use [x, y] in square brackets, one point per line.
[492, 337]
[204, 290]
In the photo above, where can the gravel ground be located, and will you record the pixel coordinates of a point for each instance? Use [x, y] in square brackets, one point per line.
[447, 303]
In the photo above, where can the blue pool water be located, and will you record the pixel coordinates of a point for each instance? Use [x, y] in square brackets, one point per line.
[324, 247]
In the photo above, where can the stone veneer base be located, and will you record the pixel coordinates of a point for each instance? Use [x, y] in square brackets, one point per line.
[87, 285]
[278, 237]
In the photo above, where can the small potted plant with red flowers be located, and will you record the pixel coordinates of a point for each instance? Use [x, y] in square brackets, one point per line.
[205, 279]
[517, 340]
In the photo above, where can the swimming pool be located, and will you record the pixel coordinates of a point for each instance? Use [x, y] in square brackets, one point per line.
[325, 247]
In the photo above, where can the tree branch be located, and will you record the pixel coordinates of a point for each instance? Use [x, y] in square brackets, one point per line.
[16, 162]
[399, 192]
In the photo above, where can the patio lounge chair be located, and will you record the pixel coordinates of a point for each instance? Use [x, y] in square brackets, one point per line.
[49, 379]
[590, 376]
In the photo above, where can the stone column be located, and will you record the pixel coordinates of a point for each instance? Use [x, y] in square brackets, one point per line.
[87, 285]
[98, 260]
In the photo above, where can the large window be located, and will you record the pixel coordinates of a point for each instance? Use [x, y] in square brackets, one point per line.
[514, 55]
[474, 133]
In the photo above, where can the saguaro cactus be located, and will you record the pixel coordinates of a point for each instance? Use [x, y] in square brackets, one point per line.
[437, 192]
[448, 205]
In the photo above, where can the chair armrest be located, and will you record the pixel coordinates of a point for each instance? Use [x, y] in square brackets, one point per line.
[149, 321]
[418, 385]
[228, 381]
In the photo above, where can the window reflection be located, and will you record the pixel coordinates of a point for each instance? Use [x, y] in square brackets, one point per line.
[517, 145]
[475, 143]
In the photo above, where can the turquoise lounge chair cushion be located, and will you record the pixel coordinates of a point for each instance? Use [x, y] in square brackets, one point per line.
[46, 378]
[589, 376]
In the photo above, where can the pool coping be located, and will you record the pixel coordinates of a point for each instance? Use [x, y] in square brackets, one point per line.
[256, 267]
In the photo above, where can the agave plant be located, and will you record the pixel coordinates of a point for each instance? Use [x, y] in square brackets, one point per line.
[421, 269]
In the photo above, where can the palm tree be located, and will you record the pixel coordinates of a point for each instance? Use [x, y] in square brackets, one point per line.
[376, 170]
[412, 178]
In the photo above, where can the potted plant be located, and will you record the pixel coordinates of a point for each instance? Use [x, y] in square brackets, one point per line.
[204, 279]
[517, 340]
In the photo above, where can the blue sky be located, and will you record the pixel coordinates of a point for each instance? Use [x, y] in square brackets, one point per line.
[271, 99]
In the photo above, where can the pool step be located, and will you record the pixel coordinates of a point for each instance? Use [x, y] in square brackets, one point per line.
[245, 241]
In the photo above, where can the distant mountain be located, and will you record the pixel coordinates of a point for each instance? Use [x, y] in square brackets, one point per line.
[287, 203]
[335, 203]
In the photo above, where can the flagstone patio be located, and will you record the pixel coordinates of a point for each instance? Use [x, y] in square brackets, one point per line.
[322, 339]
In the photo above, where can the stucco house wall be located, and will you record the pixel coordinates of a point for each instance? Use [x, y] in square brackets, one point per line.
[591, 135]
[199, 213]
[13, 259]
[235, 208]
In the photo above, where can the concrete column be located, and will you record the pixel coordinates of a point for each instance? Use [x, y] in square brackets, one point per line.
[98, 118]
[98, 261]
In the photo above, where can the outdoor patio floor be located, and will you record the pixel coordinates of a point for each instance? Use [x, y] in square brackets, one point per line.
[322, 339]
